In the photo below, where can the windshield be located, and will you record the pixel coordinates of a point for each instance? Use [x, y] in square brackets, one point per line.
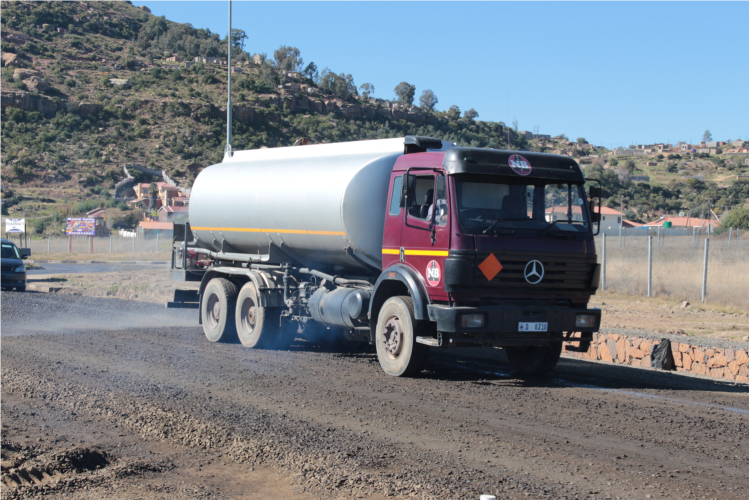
[10, 252]
[496, 205]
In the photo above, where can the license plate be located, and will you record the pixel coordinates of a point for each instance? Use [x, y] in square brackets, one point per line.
[533, 327]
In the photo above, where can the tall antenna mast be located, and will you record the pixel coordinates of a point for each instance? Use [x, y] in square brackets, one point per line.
[228, 152]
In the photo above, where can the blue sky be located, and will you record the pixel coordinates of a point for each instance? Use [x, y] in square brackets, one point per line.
[614, 73]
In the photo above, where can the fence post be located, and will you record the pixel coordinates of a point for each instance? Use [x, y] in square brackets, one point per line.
[70, 244]
[48, 243]
[694, 237]
[620, 235]
[704, 270]
[730, 232]
[603, 263]
[157, 241]
[133, 243]
[650, 265]
[110, 243]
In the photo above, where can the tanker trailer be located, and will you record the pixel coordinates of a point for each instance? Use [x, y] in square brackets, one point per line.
[407, 244]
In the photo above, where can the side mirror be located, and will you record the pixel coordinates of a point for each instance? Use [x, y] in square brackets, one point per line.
[595, 192]
[594, 216]
[25, 253]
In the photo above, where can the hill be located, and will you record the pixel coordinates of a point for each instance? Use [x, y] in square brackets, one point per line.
[88, 87]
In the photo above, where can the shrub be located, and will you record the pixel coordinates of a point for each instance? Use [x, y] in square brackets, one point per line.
[39, 225]
[70, 83]
[123, 206]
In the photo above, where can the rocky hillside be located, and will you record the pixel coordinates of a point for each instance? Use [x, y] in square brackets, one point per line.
[90, 86]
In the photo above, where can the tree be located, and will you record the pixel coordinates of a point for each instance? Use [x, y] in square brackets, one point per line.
[454, 112]
[153, 193]
[581, 140]
[630, 166]
[311, 71]
[428, 100]
[736, 218]
[367, 89]
[288, 59]
[341, 86]
[707, 136]
[471, 115]
[405, 93]
[237, 39]
[515, 124]
[613, 162]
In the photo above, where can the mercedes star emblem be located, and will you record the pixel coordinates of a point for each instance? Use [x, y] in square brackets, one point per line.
[534, 272]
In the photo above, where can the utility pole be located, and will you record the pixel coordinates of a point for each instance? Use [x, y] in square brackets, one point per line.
[228, 152]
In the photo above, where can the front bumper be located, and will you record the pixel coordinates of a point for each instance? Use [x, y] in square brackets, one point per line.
[10, 279]
[500, 326]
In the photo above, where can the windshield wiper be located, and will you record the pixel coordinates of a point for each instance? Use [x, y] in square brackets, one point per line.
[547, 231]
[497, 221]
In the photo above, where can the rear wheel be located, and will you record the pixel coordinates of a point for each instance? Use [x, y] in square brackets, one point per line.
[534, 360]
[259, 327]
[217, 310]
[395, 339]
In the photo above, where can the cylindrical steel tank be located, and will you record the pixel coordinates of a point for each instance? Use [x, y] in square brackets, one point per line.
[316, 199]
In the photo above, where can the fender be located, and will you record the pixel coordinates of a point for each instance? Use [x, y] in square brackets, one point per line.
[406, 277]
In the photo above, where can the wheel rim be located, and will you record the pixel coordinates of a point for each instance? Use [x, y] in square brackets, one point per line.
[214, 310]
[392, 337]
[248, 315]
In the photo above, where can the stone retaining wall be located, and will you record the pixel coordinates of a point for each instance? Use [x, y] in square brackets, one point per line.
[726, 363]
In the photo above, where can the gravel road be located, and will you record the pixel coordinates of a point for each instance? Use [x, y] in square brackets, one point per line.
[118, 409]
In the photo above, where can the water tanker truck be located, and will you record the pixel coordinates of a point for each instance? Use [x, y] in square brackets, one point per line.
[407, 244]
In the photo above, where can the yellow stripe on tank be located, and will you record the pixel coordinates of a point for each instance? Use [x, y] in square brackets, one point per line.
[390, 251]
[255, 230]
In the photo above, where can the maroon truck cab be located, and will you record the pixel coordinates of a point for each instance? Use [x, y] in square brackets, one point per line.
[495, 248]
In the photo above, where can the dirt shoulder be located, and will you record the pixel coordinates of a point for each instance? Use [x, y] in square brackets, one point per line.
[661, 315]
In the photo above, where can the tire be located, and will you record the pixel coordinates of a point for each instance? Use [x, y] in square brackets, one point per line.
[217, 310]
[258, 327]
[534, 360]
[395, 339]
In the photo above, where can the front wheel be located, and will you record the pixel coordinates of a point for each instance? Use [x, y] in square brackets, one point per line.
[534, 360]
[397, 329]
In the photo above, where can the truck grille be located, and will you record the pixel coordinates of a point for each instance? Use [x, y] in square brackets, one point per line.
[563, 272]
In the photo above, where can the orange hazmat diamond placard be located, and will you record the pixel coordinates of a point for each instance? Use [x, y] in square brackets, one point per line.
[490, 267]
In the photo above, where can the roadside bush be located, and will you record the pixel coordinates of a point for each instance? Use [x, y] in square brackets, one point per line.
[39, 225]
[123, 206]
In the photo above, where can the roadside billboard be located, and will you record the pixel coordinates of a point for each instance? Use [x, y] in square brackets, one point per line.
[15, 225]
[80, 226]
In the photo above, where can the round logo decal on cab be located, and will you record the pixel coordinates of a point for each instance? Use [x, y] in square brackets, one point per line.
[434, 274]
[520, 165]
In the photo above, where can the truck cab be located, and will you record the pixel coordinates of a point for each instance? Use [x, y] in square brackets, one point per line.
[500, 244]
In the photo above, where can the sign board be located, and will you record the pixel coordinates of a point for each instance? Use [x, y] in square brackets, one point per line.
[80, 226]
[15, 225]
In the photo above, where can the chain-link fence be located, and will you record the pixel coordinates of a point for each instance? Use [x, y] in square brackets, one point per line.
[99, 245]
[675, 263]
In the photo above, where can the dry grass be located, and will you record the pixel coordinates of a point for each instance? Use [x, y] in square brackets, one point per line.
[677, 270]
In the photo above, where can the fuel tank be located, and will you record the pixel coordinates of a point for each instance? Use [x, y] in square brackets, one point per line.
[313, 200]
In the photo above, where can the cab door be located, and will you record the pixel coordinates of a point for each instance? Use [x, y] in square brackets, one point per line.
[425, 231]
[391, 238]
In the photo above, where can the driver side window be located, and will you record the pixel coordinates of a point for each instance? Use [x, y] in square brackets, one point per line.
[423, 197]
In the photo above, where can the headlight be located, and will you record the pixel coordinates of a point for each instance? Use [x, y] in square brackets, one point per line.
[20, 269]
[472, 320]
[585, 321]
